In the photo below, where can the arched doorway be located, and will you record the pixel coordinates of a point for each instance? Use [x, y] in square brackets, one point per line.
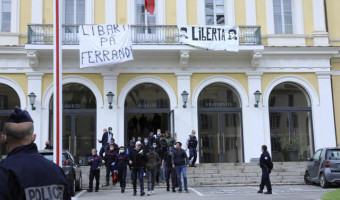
[8, 100]
[79, 120]
[147, 108]
[220, 124]
[291, 129]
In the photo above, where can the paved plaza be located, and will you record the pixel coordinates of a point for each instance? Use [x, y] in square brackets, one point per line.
[214, 193]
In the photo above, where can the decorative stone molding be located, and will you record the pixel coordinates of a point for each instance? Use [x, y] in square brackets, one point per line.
[255, 60]
[184, 58]
[33, 58]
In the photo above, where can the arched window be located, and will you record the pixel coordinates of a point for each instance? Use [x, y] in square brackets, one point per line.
[290, 118]
[220, 124]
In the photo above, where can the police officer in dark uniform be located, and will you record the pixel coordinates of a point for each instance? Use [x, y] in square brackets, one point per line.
[266, 166]
[96, 162]
[121, 163]
[29, 174]
[110, 158]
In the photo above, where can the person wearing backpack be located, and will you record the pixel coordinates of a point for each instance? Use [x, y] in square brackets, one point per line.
[266, 166]
[192, 146]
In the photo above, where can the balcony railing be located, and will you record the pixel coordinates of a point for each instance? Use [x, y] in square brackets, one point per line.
[42, 34]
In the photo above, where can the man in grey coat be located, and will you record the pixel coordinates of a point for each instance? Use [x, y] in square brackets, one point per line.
[152, 162]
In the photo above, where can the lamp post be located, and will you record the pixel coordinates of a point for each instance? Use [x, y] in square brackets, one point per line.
[185, 95]
[110, 96]
[257, 98]
[32, 97]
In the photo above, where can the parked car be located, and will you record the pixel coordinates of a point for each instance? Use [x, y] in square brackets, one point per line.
[71, 170]
[324, 167]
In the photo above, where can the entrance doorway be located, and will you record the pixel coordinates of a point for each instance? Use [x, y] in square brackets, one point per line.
[220, 125]
[8, 100]
[147, 108]
[79, 120]
[291, 129]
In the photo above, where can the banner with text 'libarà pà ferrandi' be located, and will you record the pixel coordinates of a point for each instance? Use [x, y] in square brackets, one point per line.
[219, 38]
[104, 44]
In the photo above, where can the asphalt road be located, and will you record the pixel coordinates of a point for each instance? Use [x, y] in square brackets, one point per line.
[213, 193]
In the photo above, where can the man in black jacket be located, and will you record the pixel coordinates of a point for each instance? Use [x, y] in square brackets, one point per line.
[266, 165]
[169, 171]
[106, 139]
[179, 161]
[110, 158]
[96, 162]
[192, 146]
[136, 161]
[25, 174]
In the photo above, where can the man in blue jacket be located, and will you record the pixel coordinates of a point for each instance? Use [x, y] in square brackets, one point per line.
[96, 162]
[26, 173]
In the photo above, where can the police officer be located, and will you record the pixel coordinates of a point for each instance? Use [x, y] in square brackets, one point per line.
[266, 165]
[121, 163]
[30, 175]
[110, 158]
[96, 162]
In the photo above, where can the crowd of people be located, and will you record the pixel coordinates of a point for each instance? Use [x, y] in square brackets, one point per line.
[19, 180]
[158, 157]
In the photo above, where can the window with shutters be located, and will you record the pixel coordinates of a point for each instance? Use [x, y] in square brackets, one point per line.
[214, 12]
[283, 20]
[5, 16]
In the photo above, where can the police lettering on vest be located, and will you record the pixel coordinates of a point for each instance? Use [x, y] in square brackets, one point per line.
[51, 192]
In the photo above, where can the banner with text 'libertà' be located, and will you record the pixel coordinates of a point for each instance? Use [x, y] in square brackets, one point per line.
[104, 44]
[218, 38]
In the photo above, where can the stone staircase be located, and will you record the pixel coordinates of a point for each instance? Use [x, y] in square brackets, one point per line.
[227, 174]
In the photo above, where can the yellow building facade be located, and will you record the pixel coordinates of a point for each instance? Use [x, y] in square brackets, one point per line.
[289, 52]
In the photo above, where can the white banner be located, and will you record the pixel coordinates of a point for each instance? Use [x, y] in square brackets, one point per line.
[211, 37]
[104, 44]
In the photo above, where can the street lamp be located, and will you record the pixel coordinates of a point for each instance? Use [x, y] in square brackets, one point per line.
[257, 98]
[32, 97]
[185, 95]
[110, 96]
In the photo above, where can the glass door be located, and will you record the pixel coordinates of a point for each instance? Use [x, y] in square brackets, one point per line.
[291, 133]
[230, 124]
[83, 135]
[79, 134]
[209, 137]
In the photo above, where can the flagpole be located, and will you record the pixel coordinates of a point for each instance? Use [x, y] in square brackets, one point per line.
[57, 83]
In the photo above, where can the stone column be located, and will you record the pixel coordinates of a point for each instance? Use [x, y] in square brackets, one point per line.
[321, 37]
[181, 12]
[108, 117]
[253, 123]
[325, 137]
[183, 121]
[35, 86]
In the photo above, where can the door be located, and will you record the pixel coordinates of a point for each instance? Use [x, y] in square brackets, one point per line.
[220, 137]
[314, 165]
[230, 124]
[79, 134]
[140, 123]
[288, 126]
[209, 137]
[172, 124]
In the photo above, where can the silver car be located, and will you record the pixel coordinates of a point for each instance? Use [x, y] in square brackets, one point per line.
[324, 167]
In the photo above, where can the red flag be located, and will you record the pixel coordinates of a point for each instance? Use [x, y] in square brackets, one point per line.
[150, 6]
